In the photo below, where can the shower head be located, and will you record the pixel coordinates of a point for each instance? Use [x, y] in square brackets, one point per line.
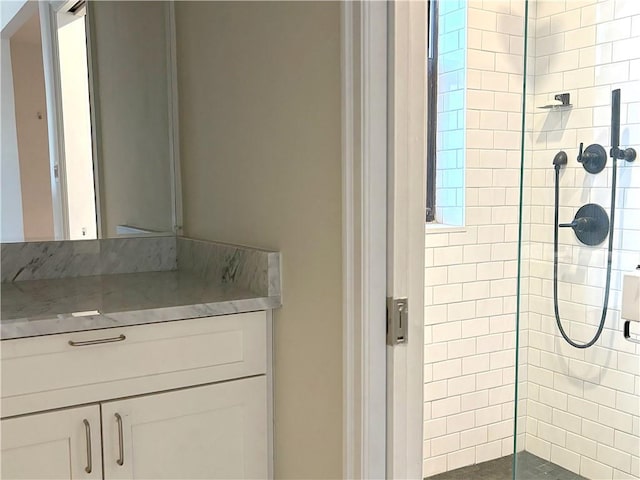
[560, 160]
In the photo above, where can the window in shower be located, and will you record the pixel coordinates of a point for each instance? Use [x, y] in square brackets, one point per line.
[432, 106]
[446, 114]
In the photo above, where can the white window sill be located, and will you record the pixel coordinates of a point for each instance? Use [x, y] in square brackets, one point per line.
[434, 228]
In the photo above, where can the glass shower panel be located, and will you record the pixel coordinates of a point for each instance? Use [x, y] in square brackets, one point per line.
[578, 395]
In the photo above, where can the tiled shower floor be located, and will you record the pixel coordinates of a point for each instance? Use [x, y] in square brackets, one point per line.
[529, 467]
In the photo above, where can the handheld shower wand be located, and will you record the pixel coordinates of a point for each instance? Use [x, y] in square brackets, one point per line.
[628, 154]
[615, 123]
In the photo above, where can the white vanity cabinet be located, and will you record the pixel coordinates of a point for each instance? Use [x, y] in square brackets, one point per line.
[215, 431]
[64, 444]
[183, 399]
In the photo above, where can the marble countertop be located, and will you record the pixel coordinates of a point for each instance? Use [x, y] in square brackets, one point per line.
[45, 307]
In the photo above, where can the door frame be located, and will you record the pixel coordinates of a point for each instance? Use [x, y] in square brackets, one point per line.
[53, 89]
[382, 154]
[364, 176]
[406, 207]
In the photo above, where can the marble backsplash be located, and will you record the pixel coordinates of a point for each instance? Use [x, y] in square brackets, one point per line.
[254, 269]
[81, 258]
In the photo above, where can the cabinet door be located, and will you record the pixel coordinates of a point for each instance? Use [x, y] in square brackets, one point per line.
[64, 444]
[213, 431]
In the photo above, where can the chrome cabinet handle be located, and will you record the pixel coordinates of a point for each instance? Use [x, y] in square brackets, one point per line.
[87, 432]
[84, 343]
[120, 460]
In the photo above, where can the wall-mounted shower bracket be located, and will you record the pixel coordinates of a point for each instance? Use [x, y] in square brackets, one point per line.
[617, 153]
[591, 224]
[593, 159]
[628, 154]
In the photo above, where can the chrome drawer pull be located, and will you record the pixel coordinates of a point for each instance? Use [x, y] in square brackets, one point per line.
[87, 431]
[120, 460]
[84, 343]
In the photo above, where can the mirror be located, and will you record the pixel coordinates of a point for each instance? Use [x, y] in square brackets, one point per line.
[87, 120]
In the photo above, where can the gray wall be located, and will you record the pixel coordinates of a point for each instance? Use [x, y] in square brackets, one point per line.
[260, 115]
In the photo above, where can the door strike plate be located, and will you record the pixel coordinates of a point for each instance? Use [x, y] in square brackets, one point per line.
[397, 320]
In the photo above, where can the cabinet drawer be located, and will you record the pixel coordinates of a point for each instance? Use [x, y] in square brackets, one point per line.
[50, 372]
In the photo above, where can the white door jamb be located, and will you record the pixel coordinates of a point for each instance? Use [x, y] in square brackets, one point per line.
[364, 116]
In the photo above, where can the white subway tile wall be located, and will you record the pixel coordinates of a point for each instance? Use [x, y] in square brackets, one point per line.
[471, 280]
[577, 408]
[580, 401]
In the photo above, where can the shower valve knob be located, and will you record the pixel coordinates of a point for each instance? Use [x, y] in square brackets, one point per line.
[593, 159]
[591, 224]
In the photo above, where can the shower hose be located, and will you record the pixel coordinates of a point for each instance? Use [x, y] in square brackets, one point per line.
[555, 262]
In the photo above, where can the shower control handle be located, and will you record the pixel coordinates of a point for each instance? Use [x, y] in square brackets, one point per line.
[583, 224]
[590, 224]
[569, 225]
[593, 158]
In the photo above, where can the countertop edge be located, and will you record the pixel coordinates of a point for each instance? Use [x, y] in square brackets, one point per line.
[26, 328]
